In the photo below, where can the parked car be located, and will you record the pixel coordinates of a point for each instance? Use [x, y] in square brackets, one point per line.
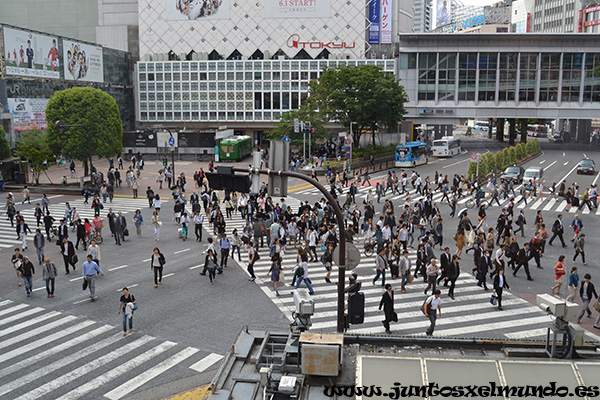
[533, 173]
[586, 166]
[560, 137]
[514, 173]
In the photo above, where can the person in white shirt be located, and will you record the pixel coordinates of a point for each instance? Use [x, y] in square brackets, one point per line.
[312, 244]
[387, 232]
[501, 256]
[433, 310]
[198, 221]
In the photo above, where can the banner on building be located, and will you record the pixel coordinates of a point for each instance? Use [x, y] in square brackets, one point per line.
[83, 62]
[374, 20]
[196, 9]
[31, 54]
[442, 13]
[297, 8]
[386, 21]
[28, 114]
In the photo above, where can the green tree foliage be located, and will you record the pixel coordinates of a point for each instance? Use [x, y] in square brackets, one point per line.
[92, 108]
[4, 145]
[366, 95]
[33, 146]
[495, 163]
[285, 127]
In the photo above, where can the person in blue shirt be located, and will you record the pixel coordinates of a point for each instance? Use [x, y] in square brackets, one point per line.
[573, 284]
[90, 269]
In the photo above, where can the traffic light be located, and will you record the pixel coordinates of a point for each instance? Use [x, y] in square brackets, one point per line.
[312, 130]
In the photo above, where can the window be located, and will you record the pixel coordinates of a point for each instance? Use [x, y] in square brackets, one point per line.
[571, 79]
[427, 68]
[550, 69]
[446, 76]
[467, 64]
[528, 76]
[591, 90]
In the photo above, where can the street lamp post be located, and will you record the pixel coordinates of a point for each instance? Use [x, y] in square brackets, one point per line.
[351, 138]
[60, 126]
[172, 149]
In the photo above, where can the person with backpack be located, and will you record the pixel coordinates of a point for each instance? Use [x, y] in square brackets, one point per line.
[253, 257]
[578, 245]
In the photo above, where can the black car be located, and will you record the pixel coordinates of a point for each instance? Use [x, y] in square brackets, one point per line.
[586, 166]
[514, 173]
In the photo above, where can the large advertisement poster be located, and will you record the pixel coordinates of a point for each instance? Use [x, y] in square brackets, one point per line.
[28, 114]
[31, 54]
[442, 13]
[374, 20]
[297, 8]
[197, 9]
[83, 62]
[386, 21]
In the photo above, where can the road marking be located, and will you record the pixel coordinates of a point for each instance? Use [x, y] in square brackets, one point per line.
[543, 161]
[566, 163]
[596, 178]
[54, 350]
[45, 340]
[197, 266]
[456, 163]
[116, 372]
[34, 332]
[568, 173]
[550, 204]
[82, 301]
[551, 164]
[20, 315]
[146, 260]
[167, 275]
[76, 279]
[116, 268]
[76, 373]
[129, 287]
[527, 334]
[182, 251]
[14, 308]
[584, 156]
[206, 362]
[149, 374]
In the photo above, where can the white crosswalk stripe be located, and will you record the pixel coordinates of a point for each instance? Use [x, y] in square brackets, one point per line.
[42, 347]
[8, 233]
[470, 313]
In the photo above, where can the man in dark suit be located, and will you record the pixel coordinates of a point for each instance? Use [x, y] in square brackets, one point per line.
[521, 222]
[68, 252]
[421, 262]
[387, 302]
[477, 256]
[63, 231]
[499, 284]
[523, 260]
[445, 265]
[485, 265]
[120, 226]
[558, 230]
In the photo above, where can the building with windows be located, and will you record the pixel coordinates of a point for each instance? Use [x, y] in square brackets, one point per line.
[590, 19]
[499, 76]
[422, 16]
[551, 16]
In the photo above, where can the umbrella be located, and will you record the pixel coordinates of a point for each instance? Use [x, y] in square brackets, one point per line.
[463, 210]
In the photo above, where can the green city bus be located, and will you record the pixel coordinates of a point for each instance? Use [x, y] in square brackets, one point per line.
[235, 148]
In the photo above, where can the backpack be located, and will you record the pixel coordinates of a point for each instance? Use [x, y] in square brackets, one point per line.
[272, 251]
[256, 255]
[300, 271]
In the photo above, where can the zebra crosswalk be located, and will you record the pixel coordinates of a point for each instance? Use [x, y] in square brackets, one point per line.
[546, 203]
[469, 315]
[60, 356]
[8, 236]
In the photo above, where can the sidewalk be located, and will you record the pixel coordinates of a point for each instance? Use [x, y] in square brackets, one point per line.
[147, 177]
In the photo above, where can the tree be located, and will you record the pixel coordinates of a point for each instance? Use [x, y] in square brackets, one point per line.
[285, 126]
[366, 95]
[4, 145]
[33, 146]
[94, 110]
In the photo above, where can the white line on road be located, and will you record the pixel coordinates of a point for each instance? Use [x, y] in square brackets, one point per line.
[564, 178]
[82, 301]
[197, 266]
[596, 178]
[149, 374]
[206, 362]
[115, 268]
[456, 163]
[130, 286]
[549, 165]
[167, 275]
[543, 161]
[146, 260]
[566, 163]
[76, 279]
[182, 251]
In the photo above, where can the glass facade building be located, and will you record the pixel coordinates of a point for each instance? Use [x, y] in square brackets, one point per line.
[500, 75]
[230, 90]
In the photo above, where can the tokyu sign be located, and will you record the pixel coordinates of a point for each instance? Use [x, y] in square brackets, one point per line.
[294, 41]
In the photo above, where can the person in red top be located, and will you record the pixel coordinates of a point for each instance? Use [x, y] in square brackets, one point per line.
[559, 272]
[53, 55]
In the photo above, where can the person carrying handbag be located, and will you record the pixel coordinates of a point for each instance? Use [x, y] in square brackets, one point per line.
[127, 305]
[157, 262]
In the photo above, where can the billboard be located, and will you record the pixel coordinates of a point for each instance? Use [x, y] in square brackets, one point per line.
[442, 13]
[297, 8]
[28, 114]
[386, 21]
[83, 62]
[374, 20]
[31, 54]
[182, 10]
